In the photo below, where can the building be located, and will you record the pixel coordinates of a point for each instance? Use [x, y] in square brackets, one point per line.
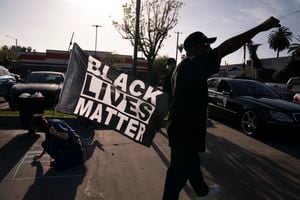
[268, 63]
[56, 60]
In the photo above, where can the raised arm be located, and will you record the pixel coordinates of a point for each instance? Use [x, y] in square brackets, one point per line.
[236, 42]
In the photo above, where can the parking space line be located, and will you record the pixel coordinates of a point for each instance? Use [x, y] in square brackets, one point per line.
[34, 152]
[41, 161]
[49, 177]
[15, 174]
[30, 155]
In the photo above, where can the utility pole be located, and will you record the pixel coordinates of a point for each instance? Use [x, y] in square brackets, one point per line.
[177, 44]
[244, 60]
[136, 35]
[96, 37]
[244, 56]
[15, 40]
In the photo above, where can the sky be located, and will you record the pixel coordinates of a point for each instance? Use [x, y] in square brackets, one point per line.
[49, 24]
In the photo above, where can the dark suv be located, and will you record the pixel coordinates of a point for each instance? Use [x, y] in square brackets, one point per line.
[48, 83]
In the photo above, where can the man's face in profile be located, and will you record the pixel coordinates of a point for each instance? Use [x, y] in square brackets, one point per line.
[203, 48]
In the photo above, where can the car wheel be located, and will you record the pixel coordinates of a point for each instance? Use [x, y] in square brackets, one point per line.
[249, 123]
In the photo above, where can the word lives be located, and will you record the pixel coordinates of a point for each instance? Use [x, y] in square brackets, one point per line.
[116, 100]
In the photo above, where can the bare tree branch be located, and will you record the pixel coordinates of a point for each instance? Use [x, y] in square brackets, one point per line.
[156, 19]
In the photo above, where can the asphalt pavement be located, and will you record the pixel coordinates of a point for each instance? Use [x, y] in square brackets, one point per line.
[117, 168]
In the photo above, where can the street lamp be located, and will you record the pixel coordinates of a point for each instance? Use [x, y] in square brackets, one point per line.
[96, 37]
[15, 39]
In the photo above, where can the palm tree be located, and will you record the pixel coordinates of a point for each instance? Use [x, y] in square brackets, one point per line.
[280, 39]
[295, 47]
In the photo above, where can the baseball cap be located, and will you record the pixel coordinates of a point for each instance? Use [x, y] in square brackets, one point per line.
[196, 38]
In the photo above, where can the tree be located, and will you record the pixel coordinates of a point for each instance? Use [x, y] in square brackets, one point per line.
[156, 19]
[114, 60]
[159, 64]
[255, 61]
[260, 73]
[292, 69]
[159, 69]
[294, 48]
[280, 39]
[7, 56]
[28, 49]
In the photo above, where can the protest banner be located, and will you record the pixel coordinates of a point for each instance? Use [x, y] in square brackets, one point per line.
[100, 93]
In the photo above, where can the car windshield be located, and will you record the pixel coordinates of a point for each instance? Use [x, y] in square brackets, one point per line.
[294, 81]
[6, 78]
[43, 78]
[254, 89]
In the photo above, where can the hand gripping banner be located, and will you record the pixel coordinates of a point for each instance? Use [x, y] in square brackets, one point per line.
[100, 93]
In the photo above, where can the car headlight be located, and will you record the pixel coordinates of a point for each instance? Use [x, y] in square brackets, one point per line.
[279, 116]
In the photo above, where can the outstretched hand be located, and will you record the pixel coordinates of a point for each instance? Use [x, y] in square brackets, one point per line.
[272, 22]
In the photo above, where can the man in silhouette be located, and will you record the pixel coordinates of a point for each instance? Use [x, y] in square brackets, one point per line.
[167, 85]
[188, 114]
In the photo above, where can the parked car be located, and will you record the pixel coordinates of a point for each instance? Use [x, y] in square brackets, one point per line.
[3, 71]
[296, 98]
[293, 85]
[286, 90]
[16, 76]
[252, 104]
[48, 83]
[282, 90]
[6, 82]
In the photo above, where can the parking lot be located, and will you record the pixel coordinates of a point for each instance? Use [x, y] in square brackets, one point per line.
[116, 168]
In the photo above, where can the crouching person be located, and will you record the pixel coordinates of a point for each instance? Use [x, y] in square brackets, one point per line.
[61, 142]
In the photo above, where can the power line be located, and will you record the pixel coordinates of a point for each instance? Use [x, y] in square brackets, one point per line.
[289, 14]
[283, 16]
